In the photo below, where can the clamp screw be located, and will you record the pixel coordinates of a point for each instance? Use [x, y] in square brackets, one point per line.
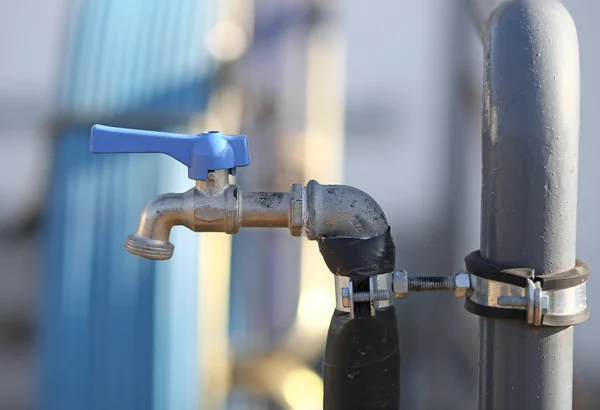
[535, 303]
[381, 294]
[513, 301]
[431, 283]
[402, 284]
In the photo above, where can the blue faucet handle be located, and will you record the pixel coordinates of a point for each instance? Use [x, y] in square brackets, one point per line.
[201, 153]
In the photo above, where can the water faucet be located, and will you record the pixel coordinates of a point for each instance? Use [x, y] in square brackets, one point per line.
[343, 219]
[213, 205]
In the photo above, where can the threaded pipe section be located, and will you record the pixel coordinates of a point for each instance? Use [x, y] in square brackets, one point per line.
[430, 283]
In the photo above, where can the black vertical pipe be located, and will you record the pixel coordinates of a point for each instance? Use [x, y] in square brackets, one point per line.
[362, 361]
[529, 193]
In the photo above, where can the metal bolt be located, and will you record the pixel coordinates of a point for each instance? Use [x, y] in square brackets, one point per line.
[402, 284]
[212, 175]
[535, 303]
[513, 301]
[381, 294]
[430, 283]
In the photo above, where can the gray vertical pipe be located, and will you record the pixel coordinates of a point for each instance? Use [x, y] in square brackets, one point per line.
[529, 193]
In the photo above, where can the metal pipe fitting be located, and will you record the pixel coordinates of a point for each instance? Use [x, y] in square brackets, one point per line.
[341, 211]
[265, 209]
[324, 212]
[351, 229]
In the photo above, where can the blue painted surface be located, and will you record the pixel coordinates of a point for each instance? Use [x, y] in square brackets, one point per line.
[201, 153]
[98, 300]
[117, 331]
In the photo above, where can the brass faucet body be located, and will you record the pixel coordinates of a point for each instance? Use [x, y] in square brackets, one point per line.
[213, 205]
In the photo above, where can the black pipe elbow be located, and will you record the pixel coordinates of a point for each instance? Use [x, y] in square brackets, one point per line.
[351, 229]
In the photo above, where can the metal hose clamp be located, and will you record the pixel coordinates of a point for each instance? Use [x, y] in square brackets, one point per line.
[379, 296]
[385, 287]
[557, 299]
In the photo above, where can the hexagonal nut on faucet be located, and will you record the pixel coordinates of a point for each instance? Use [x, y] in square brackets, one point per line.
[296, 222]
[400, 284]
[462, 284]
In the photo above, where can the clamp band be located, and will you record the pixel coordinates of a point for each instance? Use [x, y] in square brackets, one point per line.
[557, 299]
[380, 294]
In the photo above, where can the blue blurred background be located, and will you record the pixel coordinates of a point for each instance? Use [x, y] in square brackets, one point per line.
[384, 96]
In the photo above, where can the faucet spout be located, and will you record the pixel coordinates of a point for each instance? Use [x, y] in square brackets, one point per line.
[151, 240]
